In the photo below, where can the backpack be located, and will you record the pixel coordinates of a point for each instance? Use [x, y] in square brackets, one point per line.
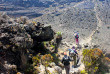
[66, 60]
[73, 53]
[77, 36]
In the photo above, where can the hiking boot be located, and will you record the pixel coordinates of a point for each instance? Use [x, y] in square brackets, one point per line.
[75, 66]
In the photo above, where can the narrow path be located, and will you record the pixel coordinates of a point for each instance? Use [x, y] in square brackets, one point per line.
[88, 40]
[79, 3]
[81, 65]
[99, 24]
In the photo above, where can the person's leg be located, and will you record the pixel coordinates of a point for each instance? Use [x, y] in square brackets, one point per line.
[75, 63]
[72, 60]
[77, 41]
[67, 68]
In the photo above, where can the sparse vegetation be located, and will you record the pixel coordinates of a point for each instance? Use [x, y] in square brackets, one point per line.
[59, 34]
[93, 60]
[29, 69]
[56, 58]
[83, 72]
[45, 60]
[36, 60]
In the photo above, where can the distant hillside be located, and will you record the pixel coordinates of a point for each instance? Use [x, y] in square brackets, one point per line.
[36, 8]
[38, 3]
[91, 22]
[31, 8]
[70, 21]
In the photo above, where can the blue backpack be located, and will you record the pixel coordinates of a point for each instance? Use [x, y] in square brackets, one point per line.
[77, 36]
[72, 53]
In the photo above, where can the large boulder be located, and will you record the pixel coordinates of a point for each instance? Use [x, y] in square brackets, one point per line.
[14, 42]
[23, 19]
[17, 39]
[39, 32]
[58, 69]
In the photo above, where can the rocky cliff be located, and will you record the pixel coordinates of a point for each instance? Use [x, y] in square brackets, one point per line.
[18, 38]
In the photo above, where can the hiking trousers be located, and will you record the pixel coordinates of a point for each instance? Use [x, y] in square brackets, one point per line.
[67, 68]
[75, 62]
[77, 41]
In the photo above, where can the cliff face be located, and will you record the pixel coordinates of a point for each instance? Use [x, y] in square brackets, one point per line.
[17, 37]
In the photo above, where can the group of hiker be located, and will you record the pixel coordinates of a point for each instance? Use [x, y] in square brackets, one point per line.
[73, 55]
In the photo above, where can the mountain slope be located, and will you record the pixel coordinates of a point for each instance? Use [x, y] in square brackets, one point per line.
[93, 23]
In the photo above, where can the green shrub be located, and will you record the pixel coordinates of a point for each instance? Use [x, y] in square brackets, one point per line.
[55, 58]
[52, 46]
[83, 72]
[29, 69]
[93, 60]
[36, 60]
[59, 34]
[46, 59]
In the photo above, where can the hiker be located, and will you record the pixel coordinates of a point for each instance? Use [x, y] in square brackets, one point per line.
[66, 61]
[77, 38]
[73, 54]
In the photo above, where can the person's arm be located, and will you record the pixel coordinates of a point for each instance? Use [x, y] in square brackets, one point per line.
[62, 60]
[70, 59]
[76, 52]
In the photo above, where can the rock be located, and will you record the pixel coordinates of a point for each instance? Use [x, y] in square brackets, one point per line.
[5, 16]
[61, 52]
[42, 69]
[61, 64]
[18, 36]
[10, 67]
[39, 33]
[95, 46]
[47, 33]
[23, 19]
[52, 64]
[11, 21]
[37, 68]
[82, 67]
[51, 70]
[58, 69]
[86, 45]
[2, 20]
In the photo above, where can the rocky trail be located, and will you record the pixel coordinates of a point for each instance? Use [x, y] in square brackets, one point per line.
[82, 43]
[99, 25]
[80, 65]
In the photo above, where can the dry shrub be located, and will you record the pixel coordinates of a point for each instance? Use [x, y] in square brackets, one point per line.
[93, 60]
